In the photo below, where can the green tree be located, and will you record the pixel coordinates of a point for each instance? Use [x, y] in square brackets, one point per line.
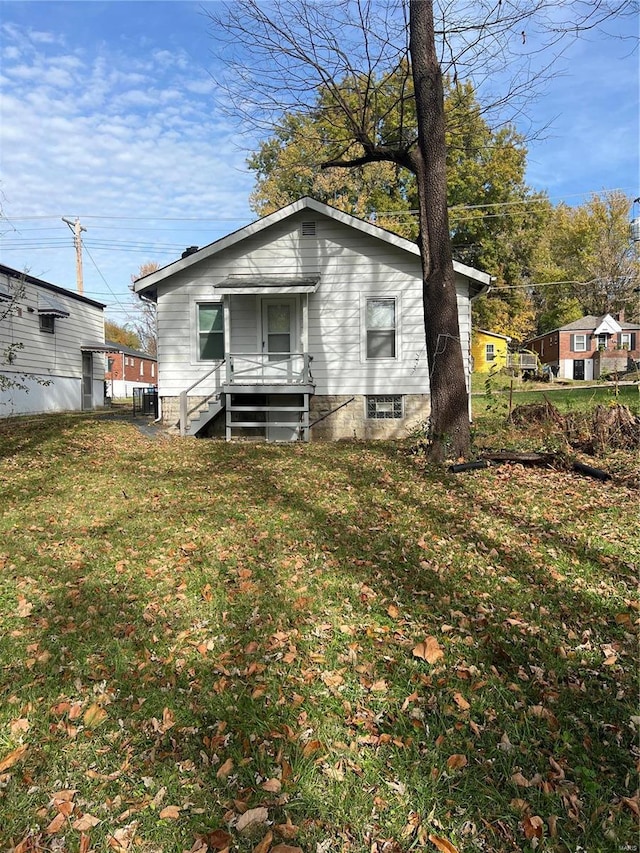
[121, 335]
[278, 56]
[587, 250]
[495, 219]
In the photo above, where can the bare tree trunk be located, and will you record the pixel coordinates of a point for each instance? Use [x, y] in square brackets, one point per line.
[450, 430]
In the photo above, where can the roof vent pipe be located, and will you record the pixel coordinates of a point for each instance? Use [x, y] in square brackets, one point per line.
[189, 251]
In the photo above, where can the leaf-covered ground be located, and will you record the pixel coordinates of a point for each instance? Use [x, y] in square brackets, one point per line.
[324, 647]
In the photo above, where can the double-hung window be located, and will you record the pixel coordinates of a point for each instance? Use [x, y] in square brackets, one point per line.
[490, 352]
[579, 343]
[210, 331]
[381, 323]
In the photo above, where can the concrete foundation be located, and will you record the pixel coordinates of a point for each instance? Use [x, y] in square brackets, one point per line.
[343, 416]
[351, 420]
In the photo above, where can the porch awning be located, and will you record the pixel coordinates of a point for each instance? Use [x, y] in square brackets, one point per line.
[265, 284]
[49, 307]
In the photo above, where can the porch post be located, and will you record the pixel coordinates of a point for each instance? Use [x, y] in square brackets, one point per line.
[305, 322]
[226, 314]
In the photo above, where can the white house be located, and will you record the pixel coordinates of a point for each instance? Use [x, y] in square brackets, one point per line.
[307, 323]
[54, 366]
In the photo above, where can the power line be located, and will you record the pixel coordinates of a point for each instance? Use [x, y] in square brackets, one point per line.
[214, 219]
[123, 308]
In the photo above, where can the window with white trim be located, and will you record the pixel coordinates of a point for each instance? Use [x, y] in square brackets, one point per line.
[490, 352]
[210, 331]
[579, 343]
[380, 324]
[153, 369]
[384, 406]
[625, 340]
[602, 340]
[141, 367]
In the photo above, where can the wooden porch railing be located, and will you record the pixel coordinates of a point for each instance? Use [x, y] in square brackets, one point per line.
[281, 368]
[184, 394]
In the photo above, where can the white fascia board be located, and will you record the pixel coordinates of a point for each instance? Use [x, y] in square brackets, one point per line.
[608, 326]
[305, 203]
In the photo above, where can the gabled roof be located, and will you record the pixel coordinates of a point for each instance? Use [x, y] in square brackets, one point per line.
[605, 323]
[492, 334]
[594, 325]
[149, 281]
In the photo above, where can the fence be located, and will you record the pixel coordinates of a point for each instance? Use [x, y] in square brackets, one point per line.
[145, 401]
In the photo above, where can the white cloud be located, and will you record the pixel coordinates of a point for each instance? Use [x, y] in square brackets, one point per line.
[94, 131]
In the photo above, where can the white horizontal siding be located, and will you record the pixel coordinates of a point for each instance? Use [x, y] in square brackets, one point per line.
[53, 357]
[351, 265]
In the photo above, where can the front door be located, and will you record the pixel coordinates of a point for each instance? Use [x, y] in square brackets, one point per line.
[278, 337]
[578, 368]
[87, 381]
[278, 327]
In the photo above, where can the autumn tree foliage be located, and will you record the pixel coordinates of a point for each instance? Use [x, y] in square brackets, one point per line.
[279, 55]
[588, 251]
[495, 218]
[121, 335]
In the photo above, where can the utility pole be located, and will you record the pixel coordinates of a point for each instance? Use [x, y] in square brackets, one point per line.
[77, 242]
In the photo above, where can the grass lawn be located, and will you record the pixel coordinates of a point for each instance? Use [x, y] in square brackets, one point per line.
[323, 647]
[566, 398]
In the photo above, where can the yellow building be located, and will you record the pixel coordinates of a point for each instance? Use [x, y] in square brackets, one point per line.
[488, 351]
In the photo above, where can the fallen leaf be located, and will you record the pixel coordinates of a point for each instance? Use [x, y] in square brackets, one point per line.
[219, 839]
[252, 818]
[225, 769]
[286, 848]
[442, 844]
[265, 844]
[13, 758]
[287, 830]
[429, 650]
[393, 611]
[461, 702]
[519, 779]
[170, 813]
[87, 821]
[632, 803]
[18, 726]
[198, 846]
[273, 786]
[533, 826]
[120, 839]
[311, 747]
[85, 844]
[94, 716]
[56, 824]
[455, 762]
[24, 607]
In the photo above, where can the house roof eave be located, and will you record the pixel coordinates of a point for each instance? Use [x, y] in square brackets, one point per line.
[306, 203]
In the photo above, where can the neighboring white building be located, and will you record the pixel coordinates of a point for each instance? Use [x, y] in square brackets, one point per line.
[57, 331]
[307, 323]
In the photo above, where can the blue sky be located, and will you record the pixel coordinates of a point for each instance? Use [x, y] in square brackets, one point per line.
[107, 114]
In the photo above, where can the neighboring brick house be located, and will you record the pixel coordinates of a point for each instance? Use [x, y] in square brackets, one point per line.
[127, 369]
[589, 348]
